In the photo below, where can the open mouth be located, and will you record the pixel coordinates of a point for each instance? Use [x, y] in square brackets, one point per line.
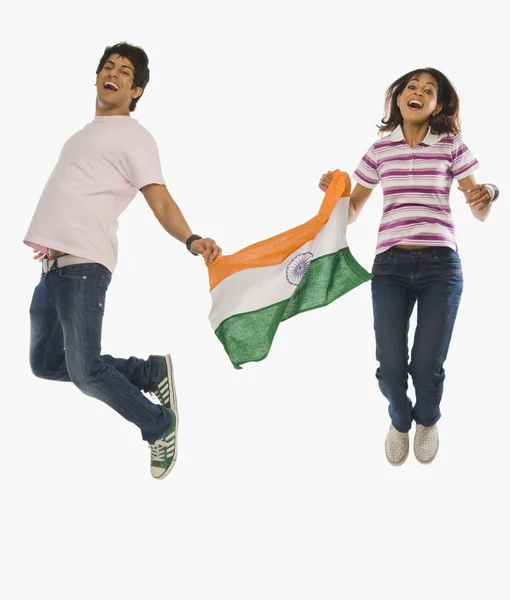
[415, 105]
[110, 87]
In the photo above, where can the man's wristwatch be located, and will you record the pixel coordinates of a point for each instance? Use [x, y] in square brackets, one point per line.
[190, 240]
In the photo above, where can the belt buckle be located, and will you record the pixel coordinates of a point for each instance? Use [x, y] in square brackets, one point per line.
[48, 264]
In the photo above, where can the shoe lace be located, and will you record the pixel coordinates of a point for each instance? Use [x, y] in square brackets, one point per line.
[159, 450]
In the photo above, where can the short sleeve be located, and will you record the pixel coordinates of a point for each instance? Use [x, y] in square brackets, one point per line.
[142, 163]
[367, 174]
[463, 161]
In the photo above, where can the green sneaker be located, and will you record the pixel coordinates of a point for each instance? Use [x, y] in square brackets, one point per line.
[165, 393]
[164, 452]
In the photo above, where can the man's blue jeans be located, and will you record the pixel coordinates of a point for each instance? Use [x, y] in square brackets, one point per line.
[432, 279]
[66, 318]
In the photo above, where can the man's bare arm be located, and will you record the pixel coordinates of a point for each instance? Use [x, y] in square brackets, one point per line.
[172, 220]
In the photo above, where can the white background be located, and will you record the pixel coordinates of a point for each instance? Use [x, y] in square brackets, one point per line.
[281, 489]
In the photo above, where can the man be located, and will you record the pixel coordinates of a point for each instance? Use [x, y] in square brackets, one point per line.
[73, 233]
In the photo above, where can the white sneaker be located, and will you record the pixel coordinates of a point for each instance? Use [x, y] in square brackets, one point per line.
[426, 443]
[397, 447]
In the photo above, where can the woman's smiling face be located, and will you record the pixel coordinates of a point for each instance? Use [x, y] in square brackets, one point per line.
[419, 99]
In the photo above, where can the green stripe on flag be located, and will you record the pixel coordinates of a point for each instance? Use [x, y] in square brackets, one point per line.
[247, 337]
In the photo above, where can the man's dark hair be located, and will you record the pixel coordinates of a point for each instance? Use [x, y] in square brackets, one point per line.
[447, 121]
[140, 62]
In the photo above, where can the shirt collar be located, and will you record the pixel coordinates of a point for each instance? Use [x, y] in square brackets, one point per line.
[397, 135]
[112, 118]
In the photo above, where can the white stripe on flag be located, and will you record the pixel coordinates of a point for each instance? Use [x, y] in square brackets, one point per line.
[255, 288]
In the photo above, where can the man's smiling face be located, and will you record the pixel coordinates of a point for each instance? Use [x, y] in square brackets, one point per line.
[115, 85]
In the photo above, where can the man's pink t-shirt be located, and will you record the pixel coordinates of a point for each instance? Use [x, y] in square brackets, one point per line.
[99, 172]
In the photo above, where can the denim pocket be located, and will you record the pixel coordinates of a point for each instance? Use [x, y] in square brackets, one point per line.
[84, 285]
[382, 257]
[102, 287]
[446, 262]
[73, 272]
[383, 263]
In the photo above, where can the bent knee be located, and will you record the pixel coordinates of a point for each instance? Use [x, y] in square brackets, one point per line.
[427, 374]
[38, 367]
[85, 376]
[391, 372]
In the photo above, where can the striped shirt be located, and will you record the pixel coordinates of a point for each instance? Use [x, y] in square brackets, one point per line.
[416, 186]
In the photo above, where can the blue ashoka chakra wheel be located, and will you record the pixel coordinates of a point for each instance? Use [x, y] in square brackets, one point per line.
[297, 267]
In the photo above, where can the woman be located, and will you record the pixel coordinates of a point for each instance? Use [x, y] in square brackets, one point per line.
[416, 258]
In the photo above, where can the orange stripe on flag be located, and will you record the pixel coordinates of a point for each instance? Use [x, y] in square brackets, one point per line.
[276, 249]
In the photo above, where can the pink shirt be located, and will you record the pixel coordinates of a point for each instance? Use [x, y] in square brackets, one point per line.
[416, 186]
[99, 172]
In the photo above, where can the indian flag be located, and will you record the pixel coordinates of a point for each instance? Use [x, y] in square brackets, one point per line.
[260, 286]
